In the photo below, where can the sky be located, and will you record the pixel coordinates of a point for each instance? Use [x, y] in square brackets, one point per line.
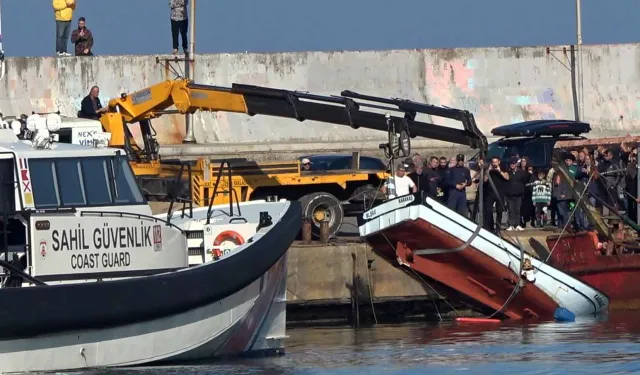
[142, 26]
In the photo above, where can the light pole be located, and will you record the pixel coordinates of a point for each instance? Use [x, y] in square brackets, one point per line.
[579, 73]
[2, 65]
[190, 70]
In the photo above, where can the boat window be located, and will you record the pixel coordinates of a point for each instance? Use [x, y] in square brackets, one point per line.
[96, 181]
[43, 182]
[127, 189]
[69, 183]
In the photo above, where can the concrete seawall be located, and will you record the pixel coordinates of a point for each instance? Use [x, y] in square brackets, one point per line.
[499, 85]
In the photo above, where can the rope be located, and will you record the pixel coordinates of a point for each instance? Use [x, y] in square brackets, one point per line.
[566, 225]
[373, 310]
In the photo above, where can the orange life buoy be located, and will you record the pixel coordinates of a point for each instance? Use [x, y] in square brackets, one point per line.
[228, 235]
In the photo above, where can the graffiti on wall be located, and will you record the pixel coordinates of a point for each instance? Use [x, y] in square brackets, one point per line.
[466, 83]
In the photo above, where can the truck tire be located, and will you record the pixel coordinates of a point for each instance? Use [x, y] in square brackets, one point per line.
[321, 205]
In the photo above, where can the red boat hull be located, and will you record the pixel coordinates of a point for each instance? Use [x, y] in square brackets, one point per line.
[617, 276]
[469, 272]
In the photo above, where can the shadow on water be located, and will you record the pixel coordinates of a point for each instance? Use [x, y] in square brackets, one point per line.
[608, 344]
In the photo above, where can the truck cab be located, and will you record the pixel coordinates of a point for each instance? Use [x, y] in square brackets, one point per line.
[72, 213]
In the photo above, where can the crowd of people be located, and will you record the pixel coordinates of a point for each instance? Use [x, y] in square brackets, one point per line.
[82, 37]
[528, 196]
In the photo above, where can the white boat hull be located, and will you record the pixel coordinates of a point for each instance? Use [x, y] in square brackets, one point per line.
[249, 321]
[568, 292]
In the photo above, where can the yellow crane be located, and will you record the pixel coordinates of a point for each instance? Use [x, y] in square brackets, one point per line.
[323, 194]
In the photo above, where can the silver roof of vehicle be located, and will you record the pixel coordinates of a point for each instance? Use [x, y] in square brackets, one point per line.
[9, 143]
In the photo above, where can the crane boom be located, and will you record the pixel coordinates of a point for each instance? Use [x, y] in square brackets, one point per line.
[347, 109]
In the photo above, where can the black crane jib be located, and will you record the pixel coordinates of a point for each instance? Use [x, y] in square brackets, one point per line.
[345, 110]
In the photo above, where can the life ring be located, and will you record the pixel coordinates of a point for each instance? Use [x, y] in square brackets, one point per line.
[228, 235]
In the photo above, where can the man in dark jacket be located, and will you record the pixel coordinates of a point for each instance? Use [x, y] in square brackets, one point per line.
[90, 107]
[514, 190]
[499, 177]
[613, 176]
[419, 177]
[432, 177]
[562, 191]
[82, 38]
[443, 173]
[459, 178]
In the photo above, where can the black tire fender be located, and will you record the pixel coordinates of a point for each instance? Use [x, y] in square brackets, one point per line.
[311, 201]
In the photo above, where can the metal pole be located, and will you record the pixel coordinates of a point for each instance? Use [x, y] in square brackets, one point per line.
[2, 64]
[579, 63]
[190, 70]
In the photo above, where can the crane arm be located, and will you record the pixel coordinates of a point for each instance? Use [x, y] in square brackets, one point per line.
[347, 109]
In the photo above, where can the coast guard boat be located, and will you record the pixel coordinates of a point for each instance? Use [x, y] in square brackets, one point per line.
[91, 279]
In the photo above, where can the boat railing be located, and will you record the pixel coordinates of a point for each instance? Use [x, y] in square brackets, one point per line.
[175, 192]
[132, 215]
[231, 191]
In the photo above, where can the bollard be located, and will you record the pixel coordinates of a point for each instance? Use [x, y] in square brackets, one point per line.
[324, 232]
[306, 231]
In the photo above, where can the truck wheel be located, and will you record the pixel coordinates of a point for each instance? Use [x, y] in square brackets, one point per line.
[322, 206]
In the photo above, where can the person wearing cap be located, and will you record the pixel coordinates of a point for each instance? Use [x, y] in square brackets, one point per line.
[400, 184]
[305, 163]
[514, 191]
[459, 177]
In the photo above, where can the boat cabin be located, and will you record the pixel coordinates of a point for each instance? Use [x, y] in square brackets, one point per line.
[75, 213]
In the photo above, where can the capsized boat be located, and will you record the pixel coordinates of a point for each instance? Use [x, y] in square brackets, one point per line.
[422, 234]
[91, 279]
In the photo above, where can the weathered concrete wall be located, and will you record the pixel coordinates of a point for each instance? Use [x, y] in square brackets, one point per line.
[499, 85]
[326, 273]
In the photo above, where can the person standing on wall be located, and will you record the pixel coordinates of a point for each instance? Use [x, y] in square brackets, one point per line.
[63, 10]
[82, 38]
[179, 24]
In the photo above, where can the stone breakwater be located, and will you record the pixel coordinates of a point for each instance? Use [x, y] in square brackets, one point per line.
[499, 85]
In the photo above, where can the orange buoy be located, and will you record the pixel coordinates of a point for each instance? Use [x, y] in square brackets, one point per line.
[228, 235]
[477, 320]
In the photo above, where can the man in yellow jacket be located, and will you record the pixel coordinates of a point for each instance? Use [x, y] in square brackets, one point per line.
[64, 14]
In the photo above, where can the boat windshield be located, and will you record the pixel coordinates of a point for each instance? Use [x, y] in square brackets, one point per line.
[83, 182]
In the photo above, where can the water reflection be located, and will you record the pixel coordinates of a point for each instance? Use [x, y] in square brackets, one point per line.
[600, 345]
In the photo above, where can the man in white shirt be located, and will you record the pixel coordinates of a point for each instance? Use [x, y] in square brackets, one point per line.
[400, 184]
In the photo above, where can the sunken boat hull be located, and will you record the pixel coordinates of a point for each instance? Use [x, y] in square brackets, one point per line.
[232, 306]
[615, 275]
[433, 241]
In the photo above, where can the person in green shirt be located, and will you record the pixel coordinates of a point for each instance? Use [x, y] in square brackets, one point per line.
[541, 196]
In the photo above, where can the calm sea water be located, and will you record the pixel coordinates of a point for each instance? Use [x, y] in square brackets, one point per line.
[607, 345]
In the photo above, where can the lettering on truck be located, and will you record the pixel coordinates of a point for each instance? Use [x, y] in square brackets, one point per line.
[106, 238]
[85, 137]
